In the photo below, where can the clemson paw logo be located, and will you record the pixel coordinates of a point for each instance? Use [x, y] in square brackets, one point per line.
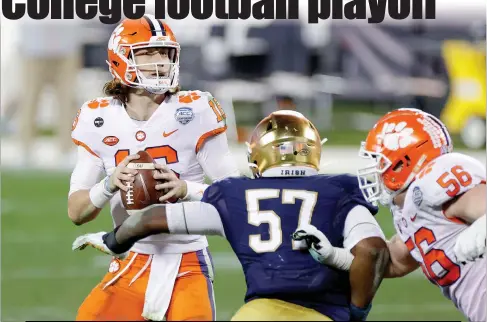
[189, 98]
[115, 38]
[94, 104]
[397, 136]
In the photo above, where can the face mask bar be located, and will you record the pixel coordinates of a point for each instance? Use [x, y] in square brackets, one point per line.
[253, 167]
[369, 177]
[161, 83]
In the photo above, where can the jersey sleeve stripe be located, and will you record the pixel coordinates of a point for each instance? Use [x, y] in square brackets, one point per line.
[79, 143]
[208, 135]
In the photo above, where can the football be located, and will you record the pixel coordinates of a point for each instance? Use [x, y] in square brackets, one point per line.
[141, 193]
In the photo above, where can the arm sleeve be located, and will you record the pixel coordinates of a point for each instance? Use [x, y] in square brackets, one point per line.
[217, 162]
[87, 172]
[81, 132]
[194, 218]
[360, 224]
[211, 120]
[216, 159]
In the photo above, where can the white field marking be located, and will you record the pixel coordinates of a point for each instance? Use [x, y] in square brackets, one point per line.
[346, 157]
[223, 261]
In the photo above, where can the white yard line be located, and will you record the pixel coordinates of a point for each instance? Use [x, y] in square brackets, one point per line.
[223, 261]
[335, 159]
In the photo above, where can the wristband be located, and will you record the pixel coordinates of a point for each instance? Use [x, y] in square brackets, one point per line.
[342, 258]
[194, 191]
[111, 242]
[100, 196]
[359, 314]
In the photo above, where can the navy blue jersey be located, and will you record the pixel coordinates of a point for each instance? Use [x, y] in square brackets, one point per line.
[259, 217]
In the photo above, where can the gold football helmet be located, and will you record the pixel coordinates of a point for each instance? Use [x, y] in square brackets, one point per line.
[284, 139]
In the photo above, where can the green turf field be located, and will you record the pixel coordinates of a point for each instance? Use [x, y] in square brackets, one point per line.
[42, 279]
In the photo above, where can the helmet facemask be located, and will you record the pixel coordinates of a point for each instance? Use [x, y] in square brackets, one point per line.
[399, 177]
[370, 177]
[166, 74]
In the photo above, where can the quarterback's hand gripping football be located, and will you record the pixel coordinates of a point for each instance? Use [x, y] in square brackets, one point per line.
[174, 187]
[471, 243]
[318, 245]
[122, 175]
[95, 240]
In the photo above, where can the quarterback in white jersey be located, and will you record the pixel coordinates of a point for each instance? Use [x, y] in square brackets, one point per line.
[438, 203]
[164, 277]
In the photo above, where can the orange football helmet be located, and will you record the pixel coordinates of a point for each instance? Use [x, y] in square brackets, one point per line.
[400, 144]
[141, 33]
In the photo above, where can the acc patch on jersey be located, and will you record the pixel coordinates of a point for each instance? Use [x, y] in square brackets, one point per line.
[417, 196]
[184, 115]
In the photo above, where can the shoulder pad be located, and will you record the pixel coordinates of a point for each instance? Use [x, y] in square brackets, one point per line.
[445, 178]
[191, 97]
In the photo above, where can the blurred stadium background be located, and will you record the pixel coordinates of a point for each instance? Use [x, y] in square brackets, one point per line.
[342, 76]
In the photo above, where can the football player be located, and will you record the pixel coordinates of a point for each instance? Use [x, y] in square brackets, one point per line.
[258, 216]
[163, 276]
[437, 199]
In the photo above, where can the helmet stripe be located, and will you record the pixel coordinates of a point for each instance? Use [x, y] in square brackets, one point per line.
[443, 129]
[151, 25]
[163, 30]
[156, 26]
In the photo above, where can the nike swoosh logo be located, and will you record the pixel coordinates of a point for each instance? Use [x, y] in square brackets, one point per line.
[183, 273]
[168, 134]
[414, 218]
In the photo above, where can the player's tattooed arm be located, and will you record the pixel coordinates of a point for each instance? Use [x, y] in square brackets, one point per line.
[193, 218]
[151, 221]
[366, 273]
[401, 262]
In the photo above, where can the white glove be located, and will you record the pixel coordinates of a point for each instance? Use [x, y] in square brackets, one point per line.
[471, 242]
[96, 241]
[321, 249]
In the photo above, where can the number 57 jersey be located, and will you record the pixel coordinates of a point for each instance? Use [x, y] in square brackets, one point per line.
[431, 236]
[260, 215]
[173, 135]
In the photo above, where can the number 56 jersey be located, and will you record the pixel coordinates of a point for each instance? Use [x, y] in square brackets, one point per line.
[431, 236]
[173, 135]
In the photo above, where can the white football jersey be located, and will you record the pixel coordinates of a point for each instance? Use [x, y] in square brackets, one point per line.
[430, 236]
[173, 135]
